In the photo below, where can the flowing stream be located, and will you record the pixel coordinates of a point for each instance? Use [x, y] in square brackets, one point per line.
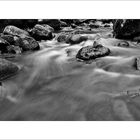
[53, 85]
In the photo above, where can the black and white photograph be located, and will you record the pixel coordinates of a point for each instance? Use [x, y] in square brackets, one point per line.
[69, 69]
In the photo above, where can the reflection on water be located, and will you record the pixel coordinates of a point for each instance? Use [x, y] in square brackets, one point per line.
[53, 85]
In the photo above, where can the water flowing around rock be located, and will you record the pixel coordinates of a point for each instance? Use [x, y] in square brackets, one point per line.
[81, 73]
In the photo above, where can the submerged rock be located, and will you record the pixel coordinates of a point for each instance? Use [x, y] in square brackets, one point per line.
[7, 69]
[92, 52]
[42, 32]
[126, 28]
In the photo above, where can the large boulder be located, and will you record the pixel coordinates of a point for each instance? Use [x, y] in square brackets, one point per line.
[92, 52]
[13, 30]
[3, 45]
[26, 43]
[55, 23]
[7, 69]
[126, 28]
[42, 32]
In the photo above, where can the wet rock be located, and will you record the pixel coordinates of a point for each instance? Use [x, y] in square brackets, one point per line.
[63, 37]
[92, 52]
[3, 45]
[55, 23]
[48, 27]
[8, 38]
[71, 38]
[123, 44]
[15, 31]
[26, 43]
[7, 69]
[42, 32]
[126, 28]
[14, 49]
[75, 39]
[137, 63]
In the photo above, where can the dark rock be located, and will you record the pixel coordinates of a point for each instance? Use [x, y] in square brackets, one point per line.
[94, 26]
[123, 44]
[63, 37]
[68, 21]
[42, 32]
[71, 38]
[126, 28]
[26, 43]
[55, 23]
[15, 31]
[92, 52]
[20, 23]
[7, 69]
[48, 27]
[137, 63]
[107, 20]
[137, 38]
[8, 38]
[107, 25]
[14, 49]
[73, 25]
[3, 45]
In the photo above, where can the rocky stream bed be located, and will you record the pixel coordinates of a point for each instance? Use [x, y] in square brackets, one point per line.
[70, 70]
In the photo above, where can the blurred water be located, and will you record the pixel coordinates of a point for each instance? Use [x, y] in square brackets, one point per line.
[53, 85]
